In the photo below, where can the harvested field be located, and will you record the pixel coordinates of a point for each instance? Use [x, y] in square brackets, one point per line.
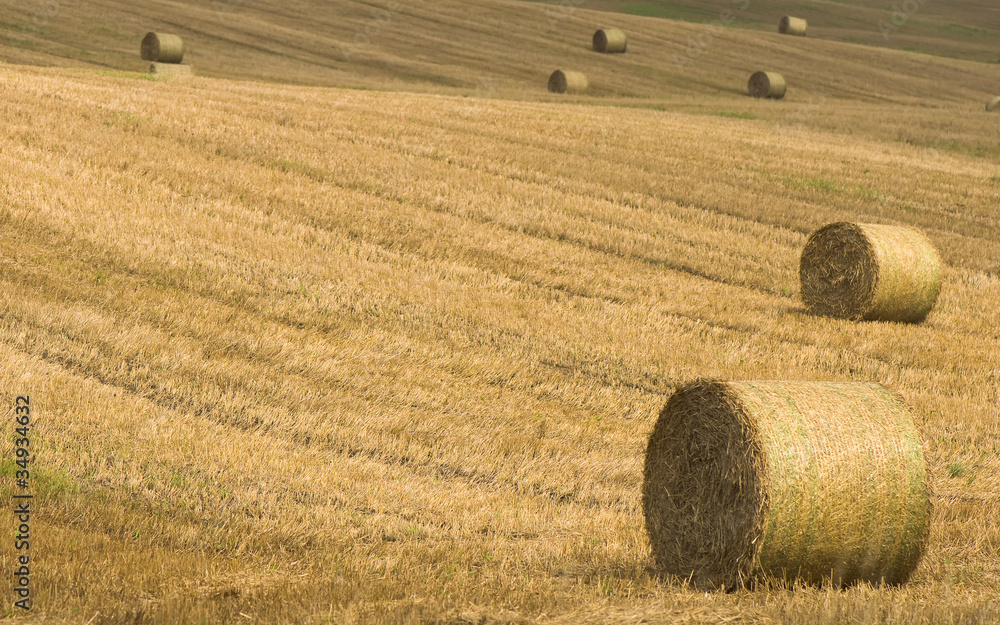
[314, 354]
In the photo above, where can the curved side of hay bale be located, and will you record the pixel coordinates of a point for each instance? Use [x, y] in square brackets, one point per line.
[161, 48]
[810, 481]
[993, 103]
[793, 26]
[610, 40]
[766, 85]
[568, 82]
[870, 271]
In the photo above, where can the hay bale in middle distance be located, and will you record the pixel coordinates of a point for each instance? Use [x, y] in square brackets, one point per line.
[993, 103]
[161, 48]
[610, 40]
[766, 85]
[793, 26]
[810, 481]
[870, 271]
[568, 82]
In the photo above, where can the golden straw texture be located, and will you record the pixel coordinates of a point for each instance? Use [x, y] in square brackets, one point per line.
[170, 70]
[766, 85]
[162, 48]
[792, 26]
[610, 40]
[567, 82]
[808, 481]
[870, 271]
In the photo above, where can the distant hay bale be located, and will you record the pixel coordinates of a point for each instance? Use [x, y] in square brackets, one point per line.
[792, 26]
[161, 48]
[170, 70]
[869, 271]
[567, 82]
[806, 481]
[992, 104]
[766, 85]
[610, 40]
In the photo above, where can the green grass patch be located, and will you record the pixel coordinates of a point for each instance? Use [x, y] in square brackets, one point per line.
[669, 10]
[298, 167]
[734, 114]
[42, 483]
[115, 73]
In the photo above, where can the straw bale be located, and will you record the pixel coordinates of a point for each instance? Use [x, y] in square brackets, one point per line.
[610, 40]
[870, 271]
[766, 85]
[793, 26]
[818, 482]
[162, 48]
[567, 82]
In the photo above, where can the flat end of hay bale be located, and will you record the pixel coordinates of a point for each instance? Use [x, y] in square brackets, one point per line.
[766, 85]
[789, 25]
[701, 501]
[610, 41]
[567, 82]
[870, 271]
[807, 481]
[993, 103]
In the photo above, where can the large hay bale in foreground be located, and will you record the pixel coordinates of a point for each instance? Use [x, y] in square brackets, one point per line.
[162, 48]
[807, 481]
[793, 26]
[610, 40]
[766, 85]
[567, 82]
[870, 271]
[993, 103]
[170, 70]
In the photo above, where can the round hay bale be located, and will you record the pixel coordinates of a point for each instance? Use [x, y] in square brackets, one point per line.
[869, 271]
[567, 82]
[806, 481]
[793, 26]
[992, 104]
[766, 85]
[610, 40]
[161, 48]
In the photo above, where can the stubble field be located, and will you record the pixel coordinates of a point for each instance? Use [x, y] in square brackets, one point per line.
[321, 355]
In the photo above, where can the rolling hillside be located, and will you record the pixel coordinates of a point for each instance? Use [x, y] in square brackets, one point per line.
[509, 48]
[308, 353]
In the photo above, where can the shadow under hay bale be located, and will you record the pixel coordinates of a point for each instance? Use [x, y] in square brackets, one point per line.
[793, 26]
[568, 82]
[610, 40]
[993, 103]
[870, 271]
[766, 85]
[161, 48]
[802, 481]
[170, 70]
